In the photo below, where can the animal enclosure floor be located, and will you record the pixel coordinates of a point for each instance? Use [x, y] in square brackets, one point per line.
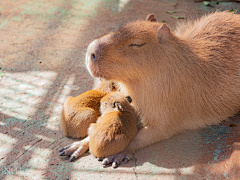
[42, 51]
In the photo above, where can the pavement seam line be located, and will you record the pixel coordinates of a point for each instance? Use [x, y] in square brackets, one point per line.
[135, 166]
[39, 140]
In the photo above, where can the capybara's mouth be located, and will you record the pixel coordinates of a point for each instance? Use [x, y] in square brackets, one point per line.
[93, 69]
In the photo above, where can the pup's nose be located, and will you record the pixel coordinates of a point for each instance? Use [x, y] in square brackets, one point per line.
[93, 51]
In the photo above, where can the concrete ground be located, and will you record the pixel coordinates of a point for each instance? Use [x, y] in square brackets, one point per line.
[42, 51]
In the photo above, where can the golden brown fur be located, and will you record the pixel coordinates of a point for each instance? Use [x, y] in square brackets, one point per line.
[115, 128]
[178, 81]
[79, 112]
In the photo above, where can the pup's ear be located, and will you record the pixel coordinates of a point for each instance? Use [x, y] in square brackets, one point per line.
[163, 33]
[117, 106]
[129, 99]
[113, 87]
[151, 17]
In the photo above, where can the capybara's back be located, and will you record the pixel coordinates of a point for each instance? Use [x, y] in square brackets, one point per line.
[178, 81]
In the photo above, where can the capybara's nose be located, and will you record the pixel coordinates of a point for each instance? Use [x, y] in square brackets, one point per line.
[93, 51]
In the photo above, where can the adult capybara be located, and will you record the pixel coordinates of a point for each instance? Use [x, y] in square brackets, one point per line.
[115, 128]
[79, 112]
[178, 80]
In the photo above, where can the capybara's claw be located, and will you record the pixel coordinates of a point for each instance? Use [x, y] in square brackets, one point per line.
[108, 160]
[114, 165]
[61, 149]
[105, 162]
[126, 160]
[72, 158]
[127, 157]
[68, 150]
[75, 150]
[117, 159]
[62, 153]
[100, 158]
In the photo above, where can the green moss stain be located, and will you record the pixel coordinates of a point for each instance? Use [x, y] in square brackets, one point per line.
[214, 140]
[17, 18]
[4, 23]
[12, 120]
[1, 9]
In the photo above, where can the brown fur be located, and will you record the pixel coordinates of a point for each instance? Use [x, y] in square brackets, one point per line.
[79, 112]
[178, 81]
[115, 128]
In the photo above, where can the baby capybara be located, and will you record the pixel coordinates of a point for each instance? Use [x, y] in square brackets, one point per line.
[115, 128]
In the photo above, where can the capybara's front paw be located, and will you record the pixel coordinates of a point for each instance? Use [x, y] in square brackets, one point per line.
[75, 150]
[117, 159]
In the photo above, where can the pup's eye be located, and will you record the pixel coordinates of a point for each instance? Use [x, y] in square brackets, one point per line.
[137, 42]
[114, 104]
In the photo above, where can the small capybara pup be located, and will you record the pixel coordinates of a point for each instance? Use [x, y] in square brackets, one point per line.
[79, 112]
[115, 128]
[111, 133]
[179, 80]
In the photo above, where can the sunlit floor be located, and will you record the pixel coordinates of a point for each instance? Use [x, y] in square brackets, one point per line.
[42, 51]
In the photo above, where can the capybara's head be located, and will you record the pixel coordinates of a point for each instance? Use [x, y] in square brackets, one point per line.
[115, 102]
[130, 51]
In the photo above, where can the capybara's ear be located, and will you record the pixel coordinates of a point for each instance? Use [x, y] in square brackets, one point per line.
[151, 17]
[163, 33]
[117, 106]
[129, 99]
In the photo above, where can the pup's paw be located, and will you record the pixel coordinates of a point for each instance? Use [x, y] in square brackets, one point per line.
[117, 159]
[75, 150]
